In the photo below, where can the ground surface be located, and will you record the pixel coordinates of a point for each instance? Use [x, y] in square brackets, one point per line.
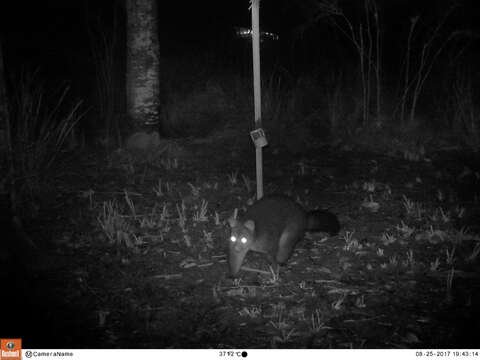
[129, 259]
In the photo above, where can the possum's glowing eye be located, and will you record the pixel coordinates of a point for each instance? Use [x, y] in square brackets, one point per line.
[243, 240]
[233, 238]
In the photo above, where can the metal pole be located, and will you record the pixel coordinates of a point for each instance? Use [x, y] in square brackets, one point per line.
[257, 90]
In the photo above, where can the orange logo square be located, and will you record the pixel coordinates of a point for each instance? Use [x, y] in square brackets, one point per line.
[10, 349]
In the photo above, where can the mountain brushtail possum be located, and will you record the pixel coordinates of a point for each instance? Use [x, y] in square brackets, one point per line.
[273, 225]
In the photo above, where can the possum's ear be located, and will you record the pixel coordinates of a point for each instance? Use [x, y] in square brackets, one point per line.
[232, 222]
[233, 219]
[250, 225]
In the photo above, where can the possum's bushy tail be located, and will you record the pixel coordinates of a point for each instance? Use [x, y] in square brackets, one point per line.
[322, 220]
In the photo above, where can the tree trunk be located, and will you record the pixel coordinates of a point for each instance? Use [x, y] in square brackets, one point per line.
[142, 78]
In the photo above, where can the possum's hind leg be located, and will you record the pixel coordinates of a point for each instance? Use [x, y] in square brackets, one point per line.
[286, 244]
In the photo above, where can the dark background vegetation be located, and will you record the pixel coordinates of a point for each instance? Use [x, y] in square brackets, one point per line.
[312, 59]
